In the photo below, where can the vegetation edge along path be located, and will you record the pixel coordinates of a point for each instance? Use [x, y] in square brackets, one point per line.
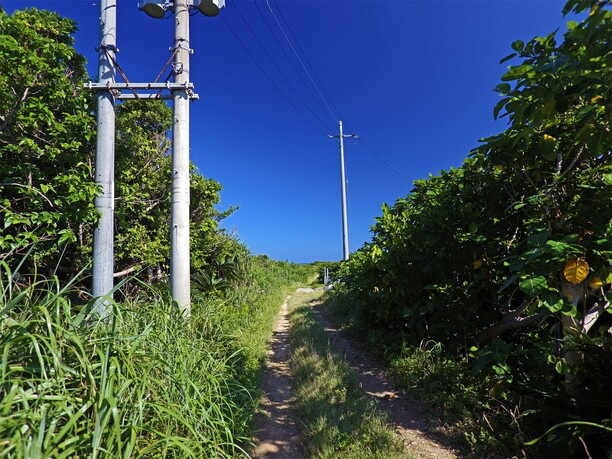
[407, 415]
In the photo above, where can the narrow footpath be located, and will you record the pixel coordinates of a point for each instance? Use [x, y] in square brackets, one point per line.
[277, 435]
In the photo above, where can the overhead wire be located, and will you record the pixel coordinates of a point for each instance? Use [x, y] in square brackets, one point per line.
[338, 115]
[297, 72]
[323, 95]
[382, 160]
[276, 66]
[300, 60]
[269, 78]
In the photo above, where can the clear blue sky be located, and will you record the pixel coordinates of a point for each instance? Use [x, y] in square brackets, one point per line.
[414, 79]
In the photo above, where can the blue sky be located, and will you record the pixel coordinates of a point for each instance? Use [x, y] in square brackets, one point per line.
[414, 79]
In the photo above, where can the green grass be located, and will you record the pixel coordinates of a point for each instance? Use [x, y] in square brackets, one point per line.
[339, 420]
[146, 383]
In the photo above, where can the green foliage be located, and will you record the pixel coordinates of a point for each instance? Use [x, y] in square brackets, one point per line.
[247, 311]
[46, 133]
[480, 258]
[47, 189]
[143, 194]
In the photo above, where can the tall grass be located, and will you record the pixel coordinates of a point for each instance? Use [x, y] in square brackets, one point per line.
[144, 384]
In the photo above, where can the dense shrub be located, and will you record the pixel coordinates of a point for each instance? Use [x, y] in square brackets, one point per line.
[507, 258]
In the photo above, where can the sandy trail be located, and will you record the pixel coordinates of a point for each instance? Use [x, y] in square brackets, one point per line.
[278, 435]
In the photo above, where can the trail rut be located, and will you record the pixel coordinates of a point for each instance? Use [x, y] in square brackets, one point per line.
[406, 414]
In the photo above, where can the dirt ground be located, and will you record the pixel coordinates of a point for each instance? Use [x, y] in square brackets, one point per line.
[408, 416]
[277, 433]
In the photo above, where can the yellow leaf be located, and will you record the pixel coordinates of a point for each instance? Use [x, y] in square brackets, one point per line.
[549, 138]
[596, 282]
[477, 263]
[576, 270]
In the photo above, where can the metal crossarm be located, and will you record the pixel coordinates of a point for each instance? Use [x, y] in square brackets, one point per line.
[153, 86]
[119, 87]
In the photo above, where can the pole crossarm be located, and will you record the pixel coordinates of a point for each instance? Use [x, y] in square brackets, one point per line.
[132, 87]
[354, 136]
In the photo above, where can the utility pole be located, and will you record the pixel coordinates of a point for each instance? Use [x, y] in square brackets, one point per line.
[181, 92]
[180, 276]
[103, 266]
[345, 246]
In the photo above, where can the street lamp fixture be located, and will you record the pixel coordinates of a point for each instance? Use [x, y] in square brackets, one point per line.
[158, 10]
[209, 7]
[155, 9]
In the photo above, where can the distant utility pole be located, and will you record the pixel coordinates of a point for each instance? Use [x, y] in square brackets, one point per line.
[341, 136]
[102, 270]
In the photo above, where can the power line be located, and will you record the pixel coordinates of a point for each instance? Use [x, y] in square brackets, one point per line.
[338, 115]
[269, 78]
[299, 59]
[385, 163]
[297, 72]
[276, 65]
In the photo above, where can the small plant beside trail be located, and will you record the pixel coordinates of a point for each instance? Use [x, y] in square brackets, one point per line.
[339, 421]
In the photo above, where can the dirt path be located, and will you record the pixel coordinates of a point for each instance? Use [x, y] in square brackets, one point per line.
[406, 414]
[277, 435]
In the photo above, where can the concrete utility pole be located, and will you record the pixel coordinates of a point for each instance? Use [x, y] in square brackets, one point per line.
[181, 92]
[345, 247]
[102, 283]
[180, 271]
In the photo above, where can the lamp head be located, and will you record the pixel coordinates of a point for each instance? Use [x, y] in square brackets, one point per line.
[209, 7]
[154, 8]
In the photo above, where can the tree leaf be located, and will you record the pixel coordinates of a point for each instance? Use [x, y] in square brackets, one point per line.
[516, 72]
[499, 105]
[553, 302]
[518, 46]
[576, 270]
[503, 88]
[507, 58]
[596, 282]
[533, 286]
[508, 282]
[548, 147]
